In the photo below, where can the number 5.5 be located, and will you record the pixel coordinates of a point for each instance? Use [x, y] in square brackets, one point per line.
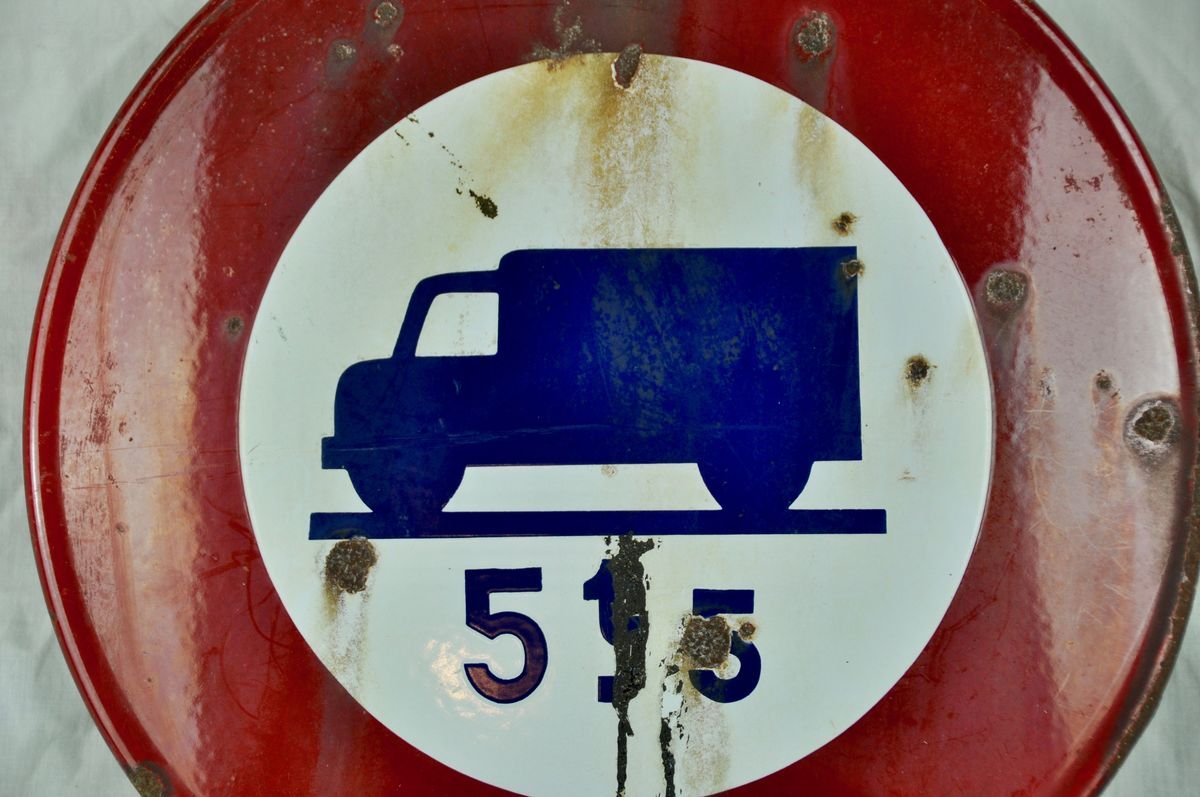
[480, 584]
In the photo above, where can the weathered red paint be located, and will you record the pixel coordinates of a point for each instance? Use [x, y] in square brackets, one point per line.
[171, 626]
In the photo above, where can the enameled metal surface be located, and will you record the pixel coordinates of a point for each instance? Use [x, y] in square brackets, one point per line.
[1047, 661]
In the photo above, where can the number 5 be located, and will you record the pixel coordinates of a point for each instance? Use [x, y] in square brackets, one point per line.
[709, 603]
[480, 584]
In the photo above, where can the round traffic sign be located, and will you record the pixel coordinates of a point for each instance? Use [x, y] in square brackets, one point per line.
[588, 399]
[776, 412]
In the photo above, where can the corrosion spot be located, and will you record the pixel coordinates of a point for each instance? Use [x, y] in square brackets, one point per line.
[1006, 288]
[122, 528]
[149, 781]
[1104, 381]
[343, 50]
[814, 35]
[747, 630]
[1047, 384]
[705, 642]
[843, 225]
[1152, 427]
[917, 371]
[1175, 228]
[571, 39]
[485, 204]
[625, 67]
[608, 470]
[234, 326]
[348, 565]
[387, 14]
[853, 268]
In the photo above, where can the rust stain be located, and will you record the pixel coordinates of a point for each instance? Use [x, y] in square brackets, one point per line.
[1175, 228]
[571, 39]
[1006, 289]
[814, 35]
[817, 167]
[705, 642]
[918, 371]
[631, 630]
[625, 66]
[632, 133]
[346, 578]
[343, 51]
[694, 732]
[388, 14]
[853, 269]
[485, 203]
[698, 730]
[349, 564]
[1047, 386]
[149, 781]
[1152, 428]
[843, 225]
[101, 399]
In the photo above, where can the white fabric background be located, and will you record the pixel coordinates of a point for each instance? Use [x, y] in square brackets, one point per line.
[64, 70]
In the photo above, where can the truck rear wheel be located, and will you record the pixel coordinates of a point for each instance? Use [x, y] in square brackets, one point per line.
[749, 483]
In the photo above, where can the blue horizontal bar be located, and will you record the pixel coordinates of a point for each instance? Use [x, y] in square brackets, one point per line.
[449, 525]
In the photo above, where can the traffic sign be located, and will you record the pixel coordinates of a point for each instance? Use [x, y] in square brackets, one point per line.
[775, 411]
[587, 398]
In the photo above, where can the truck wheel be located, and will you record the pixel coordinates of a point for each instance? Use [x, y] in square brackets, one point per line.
[412, 488]
[753, 485]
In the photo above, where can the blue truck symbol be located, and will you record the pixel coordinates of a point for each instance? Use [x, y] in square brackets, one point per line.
[743, 361]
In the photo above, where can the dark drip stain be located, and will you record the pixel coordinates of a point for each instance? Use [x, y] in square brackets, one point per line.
[668, 758]
[631, 629]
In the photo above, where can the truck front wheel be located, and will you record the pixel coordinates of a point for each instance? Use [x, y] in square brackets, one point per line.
[409, 488]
